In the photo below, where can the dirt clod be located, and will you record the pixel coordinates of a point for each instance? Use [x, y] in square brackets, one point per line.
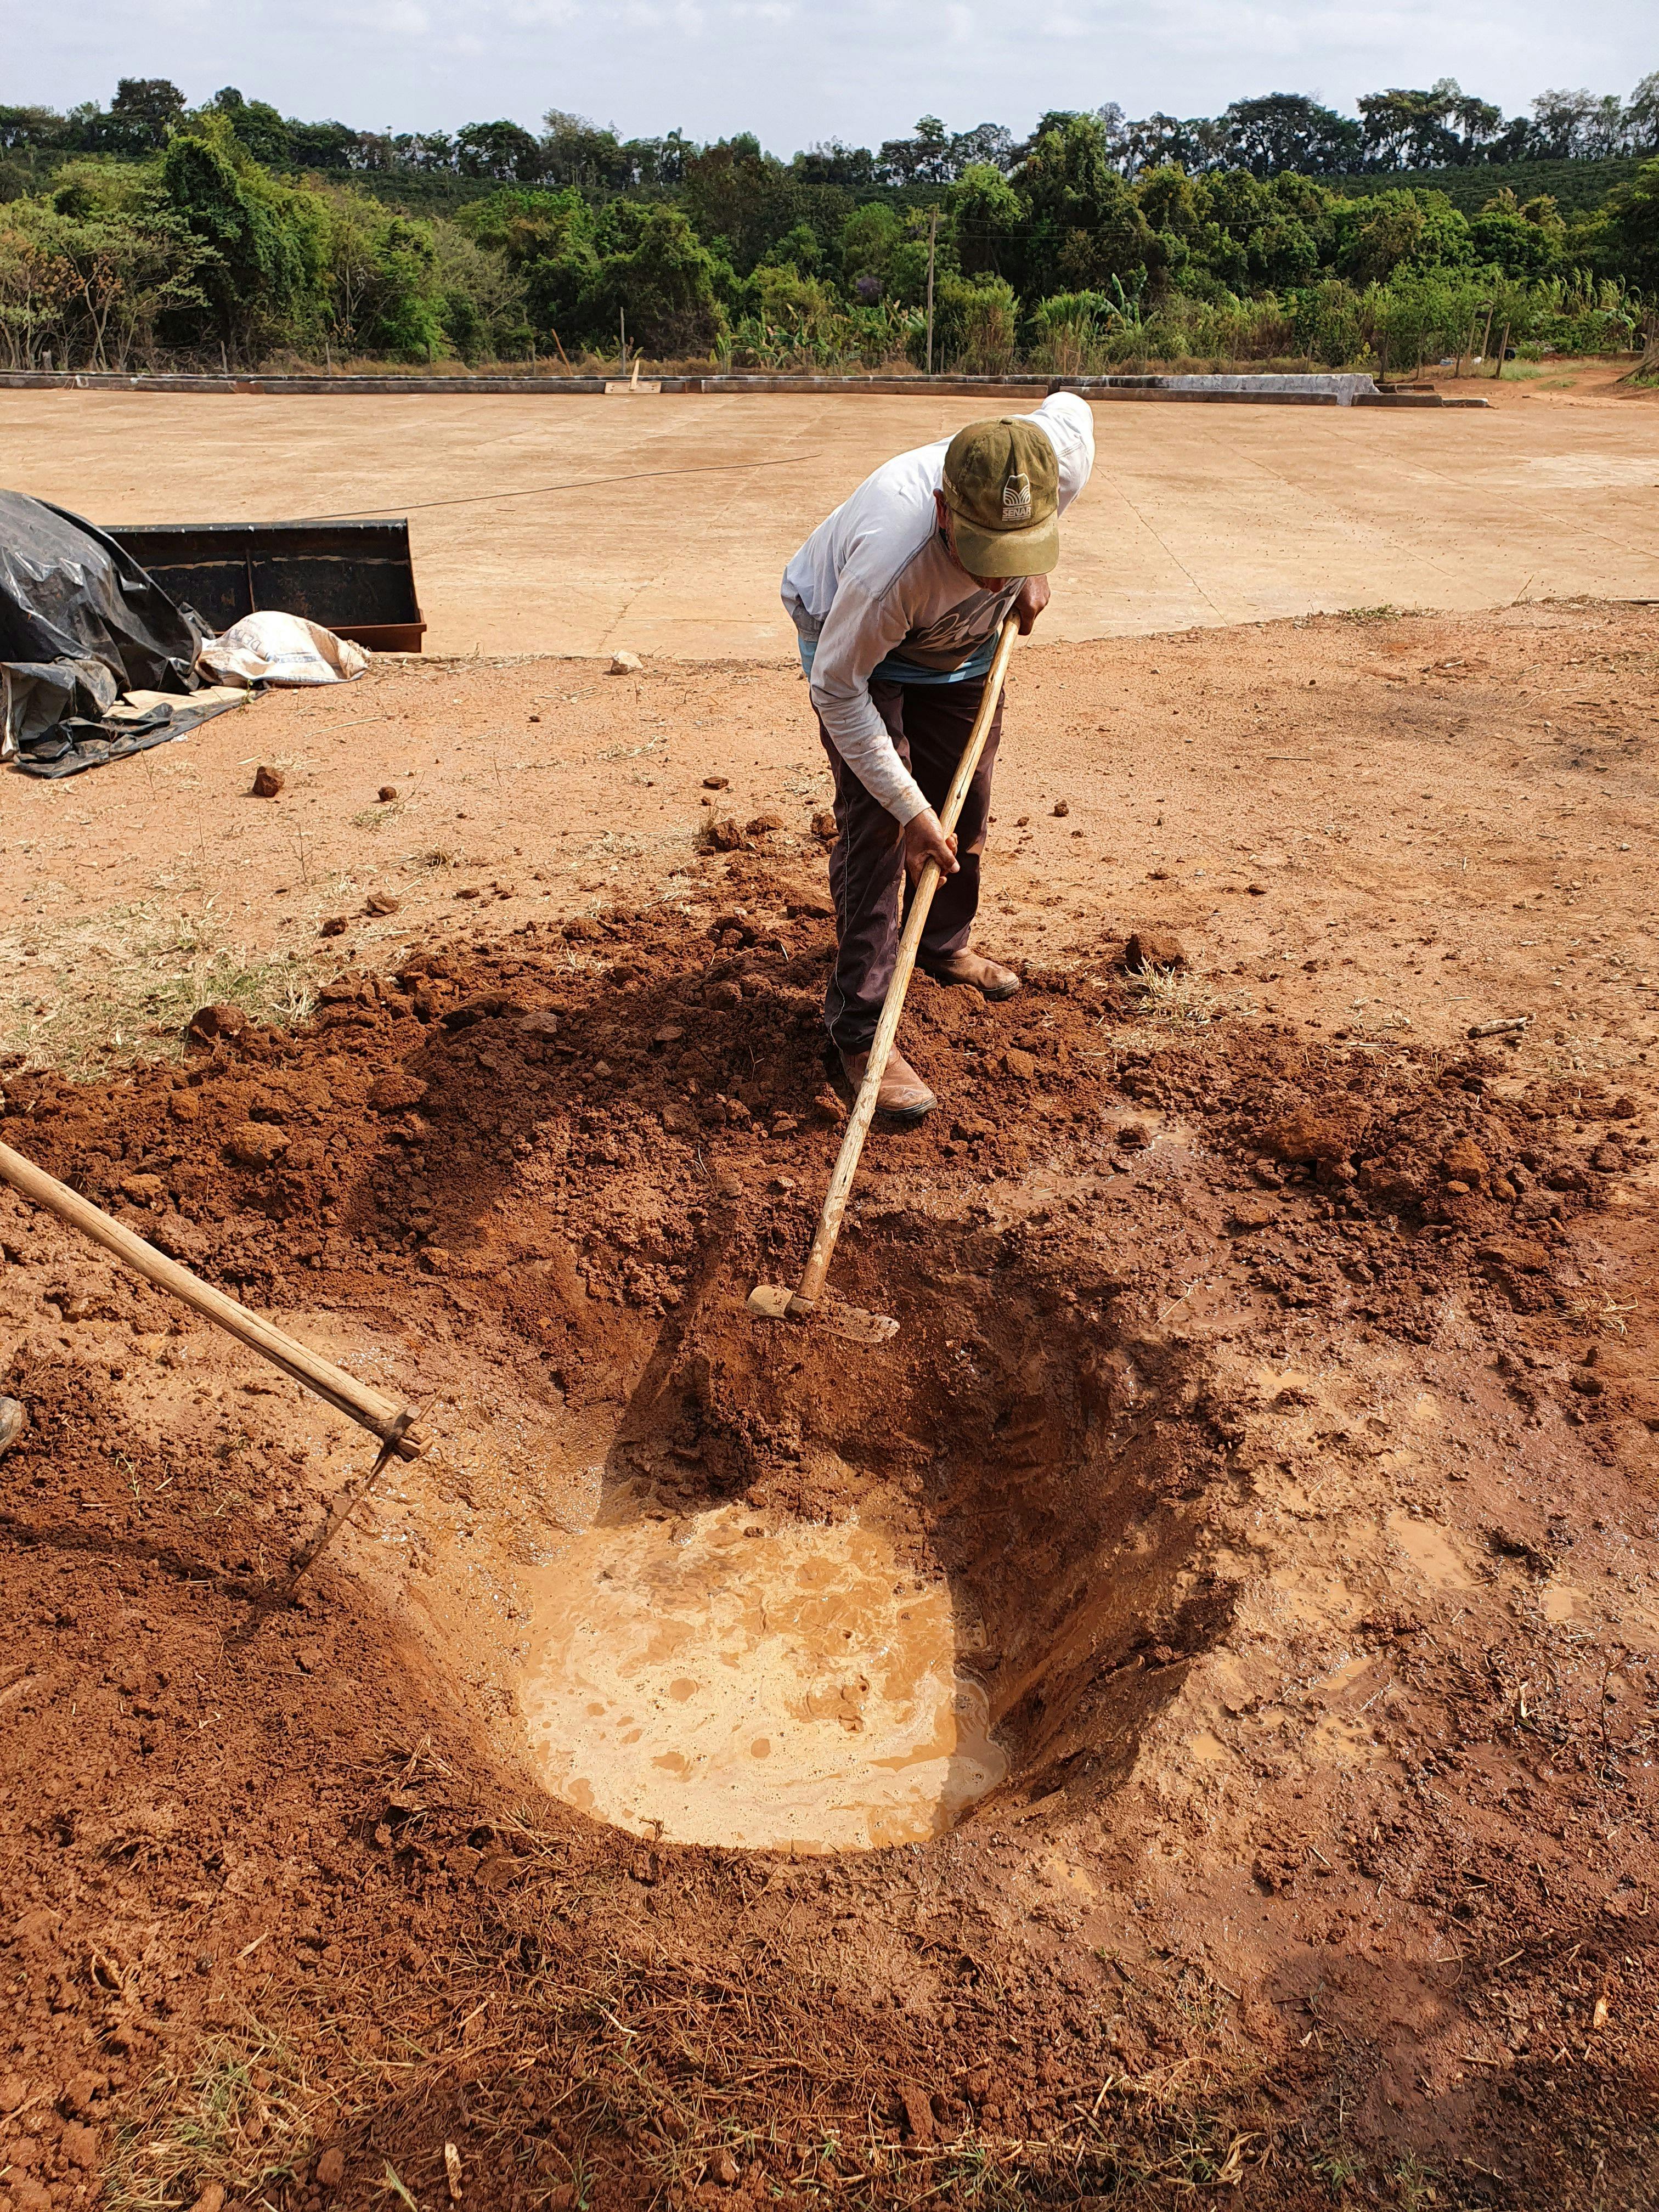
[1304, 1136]
[1464, 1161]
[396, 1089]
[268, 782]
[256, 1145]
[80, 2144]
[1248, 1214]
[1523, 1254]
[207, 1023]
[918, 2110]
[336, 925]
[1150, 949]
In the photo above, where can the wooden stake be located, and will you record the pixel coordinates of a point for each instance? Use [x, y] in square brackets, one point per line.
[933, 235]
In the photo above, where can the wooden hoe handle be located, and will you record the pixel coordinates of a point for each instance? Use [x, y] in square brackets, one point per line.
[858, 1128]
[379, 1414]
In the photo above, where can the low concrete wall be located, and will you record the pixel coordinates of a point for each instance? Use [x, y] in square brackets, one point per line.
[1337, 389]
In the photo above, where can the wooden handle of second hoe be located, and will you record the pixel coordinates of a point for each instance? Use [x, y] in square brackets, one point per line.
[858, 1128]
[372, 1408]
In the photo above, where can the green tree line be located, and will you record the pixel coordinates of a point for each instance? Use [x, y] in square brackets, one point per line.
[194, 247]
[1399, 128]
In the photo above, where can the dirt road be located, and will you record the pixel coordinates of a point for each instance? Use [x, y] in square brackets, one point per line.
[1197, 514]
[1274, 1406]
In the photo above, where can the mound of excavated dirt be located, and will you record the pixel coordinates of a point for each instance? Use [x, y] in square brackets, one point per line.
[1262, 1405]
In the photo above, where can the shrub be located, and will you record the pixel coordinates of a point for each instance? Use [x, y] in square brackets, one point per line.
[975, 324]
[663, 281]
[1329, 325]
[1068, 331]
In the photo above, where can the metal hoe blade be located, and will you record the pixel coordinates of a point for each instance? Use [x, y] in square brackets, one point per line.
[776, 1302]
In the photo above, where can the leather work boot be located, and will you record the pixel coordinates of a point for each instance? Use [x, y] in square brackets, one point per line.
[989, 976]
[13, 1422]
[903, 1097]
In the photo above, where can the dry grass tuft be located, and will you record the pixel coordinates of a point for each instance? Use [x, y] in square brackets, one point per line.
[377, 817]
[1608, 1314]
[243, 2115]
[113, 988]
[1177, 998]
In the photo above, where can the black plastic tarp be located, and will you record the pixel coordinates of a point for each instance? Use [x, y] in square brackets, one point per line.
[80, 623]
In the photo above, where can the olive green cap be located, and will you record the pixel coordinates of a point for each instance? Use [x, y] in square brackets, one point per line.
[1002, 487]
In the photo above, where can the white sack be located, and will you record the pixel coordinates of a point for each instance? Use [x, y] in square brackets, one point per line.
[275, 648]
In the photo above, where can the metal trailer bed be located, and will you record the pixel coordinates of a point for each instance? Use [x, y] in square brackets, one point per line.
[354, 578]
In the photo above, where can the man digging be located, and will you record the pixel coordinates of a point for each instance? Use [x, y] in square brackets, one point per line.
[897, 599]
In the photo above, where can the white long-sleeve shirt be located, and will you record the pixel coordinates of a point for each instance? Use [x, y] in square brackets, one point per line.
[874, 592]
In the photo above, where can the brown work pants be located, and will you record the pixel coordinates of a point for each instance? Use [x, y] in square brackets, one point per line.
[929, 724]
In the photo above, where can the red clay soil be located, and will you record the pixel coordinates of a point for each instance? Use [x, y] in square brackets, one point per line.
[1279, 1407]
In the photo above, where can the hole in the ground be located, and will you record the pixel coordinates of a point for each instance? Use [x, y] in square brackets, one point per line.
[831, 1601]
[705, 1679]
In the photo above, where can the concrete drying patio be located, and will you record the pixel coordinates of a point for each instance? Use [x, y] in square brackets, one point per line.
[1197, 515]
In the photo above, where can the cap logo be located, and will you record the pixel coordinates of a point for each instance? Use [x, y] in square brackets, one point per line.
[1016, 502]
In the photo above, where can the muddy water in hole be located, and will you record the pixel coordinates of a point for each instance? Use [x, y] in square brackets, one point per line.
[791, 1688]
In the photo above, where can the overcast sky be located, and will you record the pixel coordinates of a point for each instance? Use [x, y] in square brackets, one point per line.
[796, 71]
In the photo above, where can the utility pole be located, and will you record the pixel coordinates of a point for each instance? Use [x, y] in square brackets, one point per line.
[933, 234]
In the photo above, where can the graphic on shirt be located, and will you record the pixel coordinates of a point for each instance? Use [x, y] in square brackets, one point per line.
[953, 634]
[1016, 502]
